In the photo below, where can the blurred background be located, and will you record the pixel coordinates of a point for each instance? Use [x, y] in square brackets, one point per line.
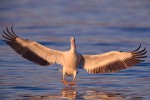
[98, 25]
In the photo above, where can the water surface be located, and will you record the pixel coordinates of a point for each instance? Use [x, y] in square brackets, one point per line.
[98, 25]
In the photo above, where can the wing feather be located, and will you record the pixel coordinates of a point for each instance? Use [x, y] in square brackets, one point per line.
[112, 61]
[32, 50]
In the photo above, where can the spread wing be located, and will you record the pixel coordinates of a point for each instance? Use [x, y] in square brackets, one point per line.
[112, 61]
[32, 50]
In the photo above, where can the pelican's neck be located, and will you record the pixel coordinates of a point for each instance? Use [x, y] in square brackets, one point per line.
[73, 45]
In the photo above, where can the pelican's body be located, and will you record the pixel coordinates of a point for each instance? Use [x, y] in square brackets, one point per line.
[71, 61]
[102, 63]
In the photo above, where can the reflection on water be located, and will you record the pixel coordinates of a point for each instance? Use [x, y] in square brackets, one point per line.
[71, 94]
[65, 93]
[98, 25]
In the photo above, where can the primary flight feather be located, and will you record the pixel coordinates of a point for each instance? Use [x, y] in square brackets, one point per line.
[70, 60]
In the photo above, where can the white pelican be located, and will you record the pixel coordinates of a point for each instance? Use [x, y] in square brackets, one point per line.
[70, 60]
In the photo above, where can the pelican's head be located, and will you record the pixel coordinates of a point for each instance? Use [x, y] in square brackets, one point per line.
[72, 39]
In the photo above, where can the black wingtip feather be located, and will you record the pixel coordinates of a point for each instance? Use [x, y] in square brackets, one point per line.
[7, 38]
[137, 48]
[139, 54]
[4, 40]
[138, 51]
[9, 35]
[13, 31]
[141, 51]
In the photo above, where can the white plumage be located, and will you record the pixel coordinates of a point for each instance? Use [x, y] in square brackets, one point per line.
[70, 60]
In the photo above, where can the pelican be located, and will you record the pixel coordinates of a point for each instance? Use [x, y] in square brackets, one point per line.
[112, 61]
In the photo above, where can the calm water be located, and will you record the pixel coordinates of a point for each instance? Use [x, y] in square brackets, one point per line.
[98, 25]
